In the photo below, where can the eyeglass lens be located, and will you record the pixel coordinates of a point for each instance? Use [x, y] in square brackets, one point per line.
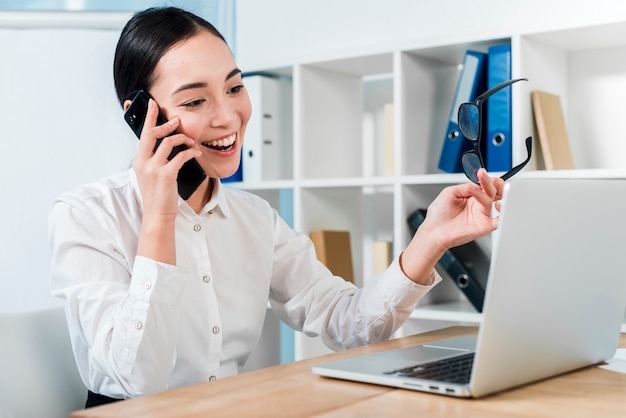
[471, 165]
[469, 121]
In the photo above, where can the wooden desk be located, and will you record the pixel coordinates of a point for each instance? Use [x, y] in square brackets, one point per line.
[291, 390]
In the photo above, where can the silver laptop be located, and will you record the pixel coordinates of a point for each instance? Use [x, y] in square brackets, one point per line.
[555, 296]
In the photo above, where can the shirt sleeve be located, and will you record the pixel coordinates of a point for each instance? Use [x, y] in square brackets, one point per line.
[119, 311]
[307, 296]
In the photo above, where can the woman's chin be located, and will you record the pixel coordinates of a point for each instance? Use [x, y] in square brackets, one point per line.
[222, 174]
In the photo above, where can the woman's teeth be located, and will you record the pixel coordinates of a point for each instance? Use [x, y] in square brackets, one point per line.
[221, 144]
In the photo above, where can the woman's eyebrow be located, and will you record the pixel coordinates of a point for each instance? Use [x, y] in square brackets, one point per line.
[197, 85]
[233, 73]
[189, 86]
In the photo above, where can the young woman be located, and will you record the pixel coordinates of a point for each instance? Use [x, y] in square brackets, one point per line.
[163, 292]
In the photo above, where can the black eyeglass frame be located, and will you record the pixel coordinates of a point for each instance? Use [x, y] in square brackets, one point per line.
[475, 138]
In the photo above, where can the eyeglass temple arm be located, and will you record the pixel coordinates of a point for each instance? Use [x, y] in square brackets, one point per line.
[517, 168]
[495, 89]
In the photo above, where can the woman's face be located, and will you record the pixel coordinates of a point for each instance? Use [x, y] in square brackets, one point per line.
[198, 81]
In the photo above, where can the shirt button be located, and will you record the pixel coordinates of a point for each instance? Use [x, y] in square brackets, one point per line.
[138, 325]
[147, 285]
[212, 378]
[210, 212]
[197, 227]
[216, 330]
[206, 279]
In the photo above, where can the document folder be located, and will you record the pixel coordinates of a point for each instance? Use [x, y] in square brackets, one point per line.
[467, 265]
[334, 250]
[498, 135]
[267, 150]
[472, 82]
[552, 131]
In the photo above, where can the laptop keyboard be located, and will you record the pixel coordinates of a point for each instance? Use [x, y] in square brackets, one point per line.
[452, 370]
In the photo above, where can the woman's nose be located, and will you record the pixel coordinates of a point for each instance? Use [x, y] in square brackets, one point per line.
[222, 113]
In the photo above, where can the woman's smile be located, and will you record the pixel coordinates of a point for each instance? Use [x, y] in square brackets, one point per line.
[222, 144]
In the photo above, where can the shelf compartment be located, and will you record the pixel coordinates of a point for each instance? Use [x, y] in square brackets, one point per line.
[425, 90]
[365, 211]
[337, 107]
[587, 69]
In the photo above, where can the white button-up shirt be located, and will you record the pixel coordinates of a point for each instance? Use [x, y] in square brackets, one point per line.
[139, 326]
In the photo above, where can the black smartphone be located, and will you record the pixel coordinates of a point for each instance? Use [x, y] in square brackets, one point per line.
[191, 175]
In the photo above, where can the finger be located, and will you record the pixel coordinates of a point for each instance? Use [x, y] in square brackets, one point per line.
[168, 144]
[494, 186]
[487, 183]
[167, 129]
[182, 157]
[146, 140]
[482, 198]
[499, 183]
[480, 194]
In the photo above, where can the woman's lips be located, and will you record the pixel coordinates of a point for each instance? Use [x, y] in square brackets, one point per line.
[223, 144]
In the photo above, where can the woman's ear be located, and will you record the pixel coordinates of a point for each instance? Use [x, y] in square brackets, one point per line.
[127, 104]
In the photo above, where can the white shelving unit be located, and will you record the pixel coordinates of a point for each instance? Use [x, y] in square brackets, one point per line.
[338, 180]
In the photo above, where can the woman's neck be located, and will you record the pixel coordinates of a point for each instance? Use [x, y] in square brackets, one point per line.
[201, 196]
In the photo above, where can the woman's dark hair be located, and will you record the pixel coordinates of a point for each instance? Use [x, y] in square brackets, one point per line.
[147, 36]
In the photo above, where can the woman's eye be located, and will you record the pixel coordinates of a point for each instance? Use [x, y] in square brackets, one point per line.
[194, 103]
[235, 89]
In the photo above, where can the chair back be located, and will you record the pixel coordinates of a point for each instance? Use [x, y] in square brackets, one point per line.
[39, 375]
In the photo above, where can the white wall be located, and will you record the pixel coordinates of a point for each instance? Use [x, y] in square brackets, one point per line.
[61, 127]
[273, 33]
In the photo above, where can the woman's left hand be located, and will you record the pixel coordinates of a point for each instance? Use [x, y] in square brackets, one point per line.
[463, 213]
[458, 215]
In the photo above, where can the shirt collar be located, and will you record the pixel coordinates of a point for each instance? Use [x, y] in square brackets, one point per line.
[217, 201]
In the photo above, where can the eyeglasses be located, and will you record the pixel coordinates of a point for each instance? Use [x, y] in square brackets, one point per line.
[470, 121]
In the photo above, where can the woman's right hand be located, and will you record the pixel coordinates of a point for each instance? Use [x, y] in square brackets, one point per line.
[156, 176]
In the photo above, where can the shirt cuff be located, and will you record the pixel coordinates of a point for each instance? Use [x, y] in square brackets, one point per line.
[402, 291]
[157, 282]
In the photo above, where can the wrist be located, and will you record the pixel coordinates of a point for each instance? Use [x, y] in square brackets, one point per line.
[157, 240]
[417, 278]
[419, 258]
